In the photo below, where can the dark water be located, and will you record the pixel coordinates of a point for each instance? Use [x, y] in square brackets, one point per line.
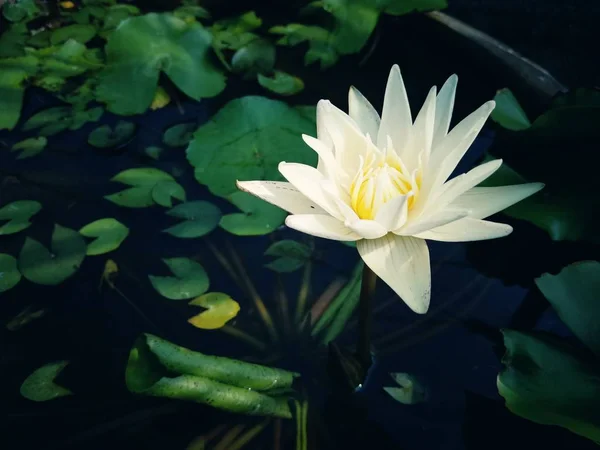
[454, 350]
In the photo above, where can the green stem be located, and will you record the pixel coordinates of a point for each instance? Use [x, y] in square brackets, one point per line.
[365, 316]
[240, 334]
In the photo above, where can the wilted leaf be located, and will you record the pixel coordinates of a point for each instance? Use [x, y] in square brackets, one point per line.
[164, 191]
[18, 215]
[9, 272]
[200, 219]
[40, 385]
[281, 83]
[508, 111]
[107, 137]
[291, 255]
[179, 135]
[30, 147]
[109, 234]
[220, 309]
[190, 279]
[258, 217]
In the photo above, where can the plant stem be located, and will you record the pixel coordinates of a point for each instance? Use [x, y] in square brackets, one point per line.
[365, 316]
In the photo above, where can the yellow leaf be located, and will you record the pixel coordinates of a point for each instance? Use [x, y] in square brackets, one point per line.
[220, 309]
[110, 271]
[67, 5]
[161, 99]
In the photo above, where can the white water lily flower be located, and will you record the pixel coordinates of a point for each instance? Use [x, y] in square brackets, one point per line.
[383, 182]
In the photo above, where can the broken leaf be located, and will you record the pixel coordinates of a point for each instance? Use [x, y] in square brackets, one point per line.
[9, 272]
[179, 135]
[40, 385]
[109, 234]
[30, 147]
[190, 279]
[18, 215]
[107, 137]
[200, 219]
[220, 309]
[164, 191]
[258, 217]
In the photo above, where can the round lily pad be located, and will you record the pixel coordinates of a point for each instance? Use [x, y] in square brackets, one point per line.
[220, 309]
[179, 135]
[164, 191]
[190, 279]
[200, 219]
[18, 215]
[79, 32]
[9, 272]
[41, 266]
[109, 234]
[107, 137]
[40, 385]
[258, 217]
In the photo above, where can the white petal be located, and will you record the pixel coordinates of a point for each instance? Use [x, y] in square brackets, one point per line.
[422, 134]
[308, 181]
[435, 220]
[367, 229]
[322, 133]
[322, 226]
[403, 264]
[443, 109]
[363, 113]
[482, 202]
[466, 230]
[326, 158]
[281, 194]
[393, 214]
[396, 119]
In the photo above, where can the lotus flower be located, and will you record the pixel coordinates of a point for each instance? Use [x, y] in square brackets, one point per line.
[383, 182]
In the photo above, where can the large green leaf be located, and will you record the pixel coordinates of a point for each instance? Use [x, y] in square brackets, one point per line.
[41, 266]
[18, 215]
[12, 41]
[109, 234]
[246, 140]
[190, 279]
[257, 217]
[548, 382]
[40, 385]
[141, 47]
[200, 219]
[164, 192]
[13, 73]
[575, 295]
[159, 368]
[9, 272]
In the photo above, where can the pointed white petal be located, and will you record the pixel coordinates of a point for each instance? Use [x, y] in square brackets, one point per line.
[326, 158]
[403, 264]
[421, 135]
[281, 194]
[308, 181]
[443, 110]
[322, 133]
[437, 219]
[482, 202]
[367, 229]
[466, 230]
[322, 226]
[363, 113]
[393, 214]
[396, 119]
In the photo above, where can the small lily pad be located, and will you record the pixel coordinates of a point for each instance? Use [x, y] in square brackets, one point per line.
[107, 137]
[258, 56]
[110, 233]
[41, 266]
[220, 309]
[508, 112]
[410, 392]
[9, 272]
[179, 135]
[18, 215]
[164, 191]
[40, 385]
[143, 180]
[48, 119]
[30, 147]
[190, 279]
[79, 32]
[258, 217]
[135, 197]
[291, 255]
[153, 152]
[281, 83]
[200, 219]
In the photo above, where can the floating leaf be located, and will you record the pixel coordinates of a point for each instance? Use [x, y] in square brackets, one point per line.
[164, 191]
[153, 152]
[143, 180]
[18, 215]
[257, 56]
[81, 117]
[161, 99]
[41, 266]
[135, 197]
[47, 118]
[12, 41]
[320, 43]
[110, 233]
[190, 279]
[141, 47]
[401, 7]
[40, 385]
[246, 140]
[258, 217]
[291, 255]
[200, 219]
[22, 10]
[30, 147]
[508, 111]
[281, 83]
[410, 392]
[354, 23]
[9, 272]
[575, 295]
[107, 137]
[220, 309]
[13, 73]
[116, 14]
[78, 32]
[548, 382]
[159, 368]
[179, 135]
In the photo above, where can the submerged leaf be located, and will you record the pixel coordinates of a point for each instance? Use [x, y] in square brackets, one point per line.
[9, 272]
[179, 135]
[40, 385]
[41, 266]
[107, 137]
[30, 147]
[220, 309]
[190, 279]
[258, 217]
[200, 219]
[508, 111]
[291, 255]
[18, 214]
[110, 233]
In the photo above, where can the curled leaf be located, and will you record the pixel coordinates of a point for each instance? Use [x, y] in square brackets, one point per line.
[220, 309]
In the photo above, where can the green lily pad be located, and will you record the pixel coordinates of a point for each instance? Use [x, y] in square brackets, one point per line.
[110, 233]
[401, 7]
[117, 14]
[200, 218]
[257, 56]
[575, 295]
[80, 117]
[40, 385]
[30, 147]
[258, 217]
[281, 83]
[22, 10]
[190, 279]
[179, 135]
[354, 23]
[141, 47]
[13, 73]
[548, 382]
[291, 255]
[18, 214]
[59, 118]
[78, 32]
[508, 111]
[321, 48]
[135, 197]
[12, 41]
[41, 266]
[9, 272]
[187, 12]
[164, 191]
[153, 152]
[107, 137]
[143, 180]
[246, 140]
[220, 309]
[40, 39]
